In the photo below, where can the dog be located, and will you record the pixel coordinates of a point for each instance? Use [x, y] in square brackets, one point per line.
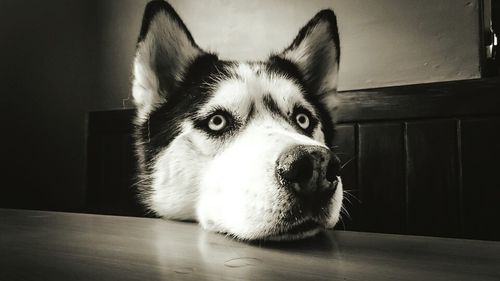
[243, 148]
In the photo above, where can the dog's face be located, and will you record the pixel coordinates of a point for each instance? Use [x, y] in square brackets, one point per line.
[241, 147]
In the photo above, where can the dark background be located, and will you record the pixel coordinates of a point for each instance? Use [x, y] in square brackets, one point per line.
[57, 64]
[50, 54]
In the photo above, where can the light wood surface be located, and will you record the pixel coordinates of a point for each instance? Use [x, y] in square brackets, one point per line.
[37, 245]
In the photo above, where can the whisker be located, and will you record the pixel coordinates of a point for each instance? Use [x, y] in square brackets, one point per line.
[342, 208]
[348, 193]
[347, 162]
[348, 200]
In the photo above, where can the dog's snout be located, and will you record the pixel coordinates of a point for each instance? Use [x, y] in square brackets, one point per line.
[333, 168]
[308, 169]
[298, 170]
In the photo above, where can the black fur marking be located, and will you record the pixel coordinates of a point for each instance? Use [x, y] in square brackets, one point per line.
[194, 90]
[279, 65]
[152, 9]
[313, 122]
[317, 67]
[272, 106]
[251, 112]
[327, 125]
[285, 67]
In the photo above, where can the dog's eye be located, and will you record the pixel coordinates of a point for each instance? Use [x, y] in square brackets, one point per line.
[302, 120]
[217, 122]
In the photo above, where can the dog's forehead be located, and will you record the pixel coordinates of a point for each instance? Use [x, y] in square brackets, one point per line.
[249, 84]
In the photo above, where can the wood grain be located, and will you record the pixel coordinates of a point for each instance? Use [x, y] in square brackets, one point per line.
[38, 245]
[382, 177]
[435, 100]
[480, 142]
[344, 145]
[433, 178]
[111, 175]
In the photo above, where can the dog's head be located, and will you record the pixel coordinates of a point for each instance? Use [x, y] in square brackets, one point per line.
[241, 147]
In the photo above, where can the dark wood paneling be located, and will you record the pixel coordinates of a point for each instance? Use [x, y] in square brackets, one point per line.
[433, 178]
[381, 177]
[481, 183]
[436, 100]
[111, 164]
[344, 145]
[406, 158]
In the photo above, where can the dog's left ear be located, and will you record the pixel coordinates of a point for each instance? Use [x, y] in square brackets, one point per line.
[316, 52]
[164, 50]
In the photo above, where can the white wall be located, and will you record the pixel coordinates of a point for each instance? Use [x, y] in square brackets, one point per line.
[384, 42]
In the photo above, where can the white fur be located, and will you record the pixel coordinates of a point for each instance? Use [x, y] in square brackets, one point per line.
[167, 43]
[175, 184]
[229, 184]
[312, 44]
[318, 45]
[238, 191]
[230, 187]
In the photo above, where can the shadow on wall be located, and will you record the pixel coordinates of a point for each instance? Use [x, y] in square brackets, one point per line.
[60, 60]
[49, 54]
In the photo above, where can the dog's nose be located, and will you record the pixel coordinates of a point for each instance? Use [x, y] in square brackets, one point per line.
[308, 169]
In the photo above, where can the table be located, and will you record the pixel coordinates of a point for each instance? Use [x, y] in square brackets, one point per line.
[39, 245]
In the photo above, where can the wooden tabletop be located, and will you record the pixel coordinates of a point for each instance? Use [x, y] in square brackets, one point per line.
[37, 245]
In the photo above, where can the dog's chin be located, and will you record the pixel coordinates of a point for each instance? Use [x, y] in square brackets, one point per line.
[295, 236]
[291, 231]
[297, 231]
[284, 231]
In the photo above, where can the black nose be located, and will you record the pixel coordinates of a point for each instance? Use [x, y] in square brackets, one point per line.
[308, 169]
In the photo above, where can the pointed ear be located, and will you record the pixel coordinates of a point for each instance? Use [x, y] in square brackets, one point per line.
[165, 48]
[316, 52]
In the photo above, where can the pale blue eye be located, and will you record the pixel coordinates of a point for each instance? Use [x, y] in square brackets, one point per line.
[302, 120]
[217, 122]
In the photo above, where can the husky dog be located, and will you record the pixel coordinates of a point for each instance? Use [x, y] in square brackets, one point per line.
[241, 147]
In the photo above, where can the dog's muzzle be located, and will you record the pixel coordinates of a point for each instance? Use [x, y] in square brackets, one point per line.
[309, 173]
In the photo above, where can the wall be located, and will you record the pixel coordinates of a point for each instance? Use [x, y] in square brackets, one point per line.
[119, 24]
[61, 59]
[384, 43]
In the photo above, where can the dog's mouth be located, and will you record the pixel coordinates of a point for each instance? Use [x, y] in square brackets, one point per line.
[306, 226]
[299, 230]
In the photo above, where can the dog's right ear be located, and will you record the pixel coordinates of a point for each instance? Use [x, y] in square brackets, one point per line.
[164, 50]
[316, 53]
